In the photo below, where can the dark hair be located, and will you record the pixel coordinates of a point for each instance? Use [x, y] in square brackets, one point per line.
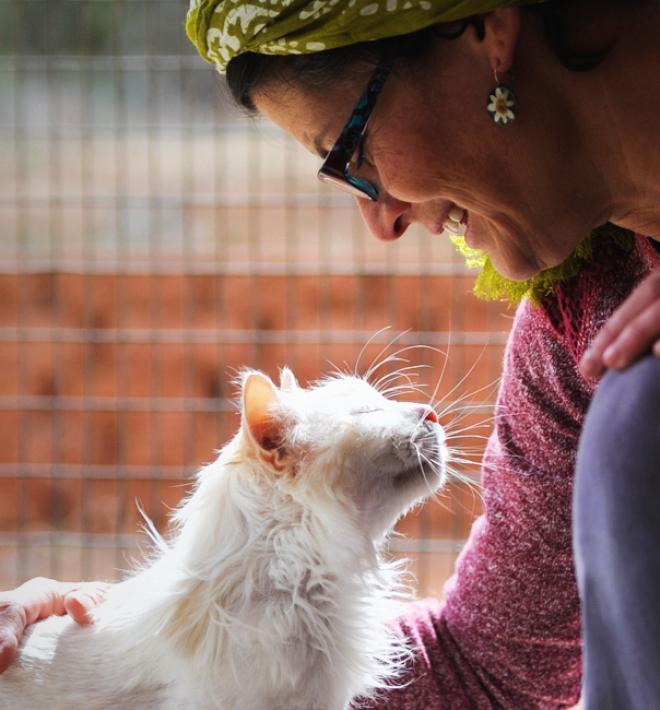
[249, 71]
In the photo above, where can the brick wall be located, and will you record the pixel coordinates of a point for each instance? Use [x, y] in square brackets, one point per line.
[116, 387]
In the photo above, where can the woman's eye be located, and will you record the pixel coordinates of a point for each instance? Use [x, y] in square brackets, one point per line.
[360, 153]
[360, 157]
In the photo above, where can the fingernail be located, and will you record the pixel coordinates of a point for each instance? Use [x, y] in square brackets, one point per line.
[614, 358]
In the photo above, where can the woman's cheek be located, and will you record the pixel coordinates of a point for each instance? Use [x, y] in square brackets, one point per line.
[410, 174]
[509, 253]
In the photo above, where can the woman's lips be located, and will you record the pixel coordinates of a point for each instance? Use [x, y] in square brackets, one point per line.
[469, 234]
[455, 221]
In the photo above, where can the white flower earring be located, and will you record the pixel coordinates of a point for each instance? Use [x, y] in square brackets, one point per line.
[501, 103]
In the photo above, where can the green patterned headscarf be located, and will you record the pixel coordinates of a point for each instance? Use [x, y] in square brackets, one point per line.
[223, 29]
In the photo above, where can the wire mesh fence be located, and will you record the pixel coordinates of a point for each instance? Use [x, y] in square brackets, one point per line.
[153, 242]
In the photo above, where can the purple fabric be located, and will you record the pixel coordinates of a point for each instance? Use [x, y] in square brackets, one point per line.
[508, 633]
[617, 540]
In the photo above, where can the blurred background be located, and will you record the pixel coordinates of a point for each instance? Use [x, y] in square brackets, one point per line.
[154, 240]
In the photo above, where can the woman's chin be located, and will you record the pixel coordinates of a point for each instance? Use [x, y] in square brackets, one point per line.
[501, 245]
[522, 267]
[516, 270]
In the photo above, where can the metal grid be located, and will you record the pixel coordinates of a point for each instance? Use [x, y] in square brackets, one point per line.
[152, 241]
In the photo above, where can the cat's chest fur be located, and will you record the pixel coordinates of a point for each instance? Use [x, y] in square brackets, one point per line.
[272, 593]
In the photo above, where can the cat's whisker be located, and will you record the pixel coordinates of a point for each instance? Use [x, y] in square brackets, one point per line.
[434, 394]
[401, 389]
[463, 460]
[444, 366]
[412, 369]
[465, 377]
[397, 389]
[465, 412]
[375, 361]
[471, 407]
[421, 458]
[475, 466]
[461, 425]
[370, 340]
[417, 346]
[452, 430]
[453, 389]
[465, 475]
[471, 485]
[474, 459]
[482, 466]
[389, 360]
[403, 372]
[449, 407]
[398, 353]
[476, 449]
[336, 370]
[471, 437]
[410, 380]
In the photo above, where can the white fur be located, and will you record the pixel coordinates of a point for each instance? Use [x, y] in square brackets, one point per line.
[271, 595]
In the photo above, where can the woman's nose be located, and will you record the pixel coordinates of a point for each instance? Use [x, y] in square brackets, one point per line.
[387, 218]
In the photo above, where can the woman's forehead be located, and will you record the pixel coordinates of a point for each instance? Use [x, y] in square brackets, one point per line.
[313, 118]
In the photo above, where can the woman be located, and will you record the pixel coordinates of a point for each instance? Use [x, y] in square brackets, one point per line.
[521, 129]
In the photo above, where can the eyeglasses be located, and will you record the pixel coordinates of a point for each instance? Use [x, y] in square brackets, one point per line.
[336, 166]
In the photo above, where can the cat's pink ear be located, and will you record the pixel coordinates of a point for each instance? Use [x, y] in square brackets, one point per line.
[260, 399]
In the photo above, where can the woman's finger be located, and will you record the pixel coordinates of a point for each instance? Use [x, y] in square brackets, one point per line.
[12, 623]
[636, 338]
[39, 598]
[78, 606]
[80, 601]
[645, 295]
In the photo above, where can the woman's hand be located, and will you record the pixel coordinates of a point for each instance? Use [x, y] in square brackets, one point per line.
[38, 599]
[630, 332]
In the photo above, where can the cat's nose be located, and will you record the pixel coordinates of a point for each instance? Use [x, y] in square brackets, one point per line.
[429, 415]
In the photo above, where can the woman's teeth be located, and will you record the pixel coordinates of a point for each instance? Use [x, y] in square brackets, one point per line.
[454, 224]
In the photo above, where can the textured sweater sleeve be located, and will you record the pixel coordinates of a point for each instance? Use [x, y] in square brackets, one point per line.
[508, 633]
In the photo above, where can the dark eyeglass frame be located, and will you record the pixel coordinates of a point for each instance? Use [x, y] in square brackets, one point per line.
[335, 167]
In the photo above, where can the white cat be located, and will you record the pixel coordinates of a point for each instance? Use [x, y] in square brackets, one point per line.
[272, 594]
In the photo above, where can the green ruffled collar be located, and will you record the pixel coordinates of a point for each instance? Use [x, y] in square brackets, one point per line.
[491, 286]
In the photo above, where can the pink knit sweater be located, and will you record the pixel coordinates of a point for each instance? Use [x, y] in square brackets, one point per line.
[508, 633]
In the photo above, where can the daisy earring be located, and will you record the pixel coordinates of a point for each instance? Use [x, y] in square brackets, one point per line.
[501, 104]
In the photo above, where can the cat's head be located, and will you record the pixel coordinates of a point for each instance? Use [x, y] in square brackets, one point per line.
[341, 442]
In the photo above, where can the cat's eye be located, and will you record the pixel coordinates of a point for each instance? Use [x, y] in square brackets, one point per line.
[367, 410]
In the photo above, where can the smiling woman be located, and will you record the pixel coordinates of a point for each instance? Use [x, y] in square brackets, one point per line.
[560, 203]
